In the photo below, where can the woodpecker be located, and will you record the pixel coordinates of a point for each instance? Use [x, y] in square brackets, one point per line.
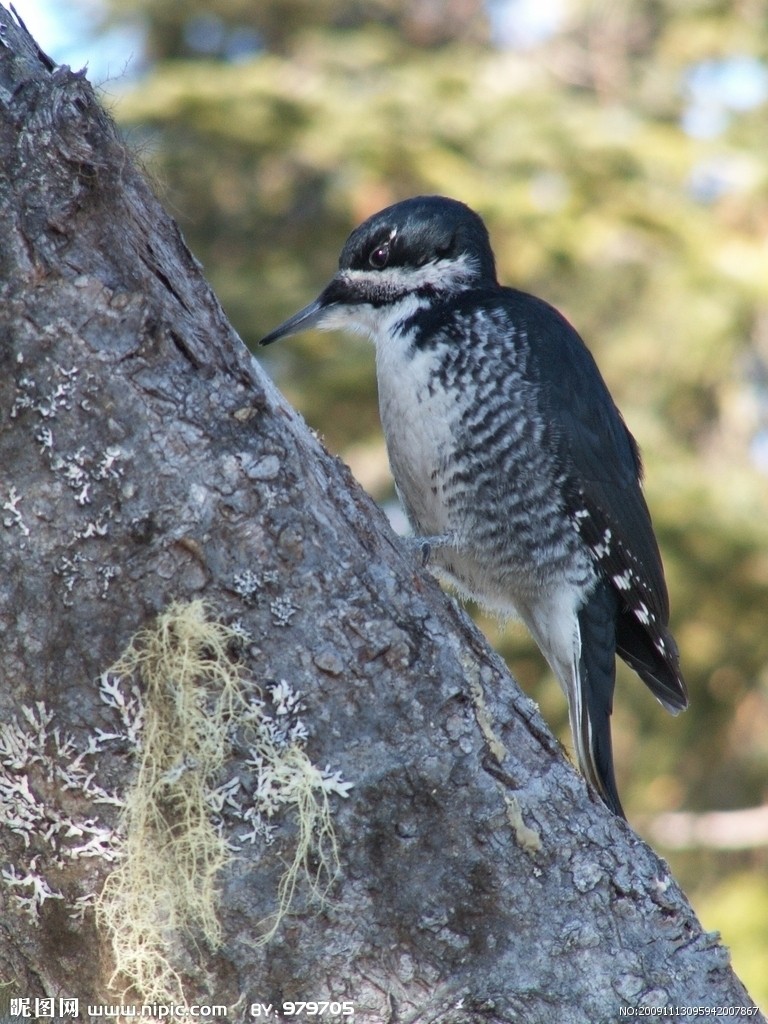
[519, 477]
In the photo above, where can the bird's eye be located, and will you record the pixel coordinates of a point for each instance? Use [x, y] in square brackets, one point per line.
[379, 257]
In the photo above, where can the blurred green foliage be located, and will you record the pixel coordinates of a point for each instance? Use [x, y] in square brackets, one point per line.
[272, 129]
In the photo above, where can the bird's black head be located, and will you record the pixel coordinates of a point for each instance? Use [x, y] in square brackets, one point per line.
[402, 257]
[420, 232]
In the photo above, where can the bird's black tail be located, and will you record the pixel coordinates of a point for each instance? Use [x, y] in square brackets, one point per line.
[655, 659]
[591, 717]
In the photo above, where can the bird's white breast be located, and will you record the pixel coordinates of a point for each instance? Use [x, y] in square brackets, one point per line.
[416, 420]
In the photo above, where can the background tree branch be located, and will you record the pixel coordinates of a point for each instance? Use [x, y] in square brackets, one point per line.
[148, 460]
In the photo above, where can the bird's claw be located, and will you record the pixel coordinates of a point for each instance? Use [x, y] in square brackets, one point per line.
[425, 545]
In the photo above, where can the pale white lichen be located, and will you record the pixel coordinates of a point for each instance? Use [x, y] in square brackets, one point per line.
[282, 610]
[108, 467]
[48, 399]
[248, 584]
[198, 708]
[14, 517]
[107, 573]
[37, 761]
[259, 831]
[124, 696]
[35, 889]
[88, 472]
[98, 527]
[188, 717]
[44, 437]
[81, 906]
[70, 570]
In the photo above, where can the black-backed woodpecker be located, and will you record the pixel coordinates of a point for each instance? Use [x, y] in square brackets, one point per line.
[518, 474]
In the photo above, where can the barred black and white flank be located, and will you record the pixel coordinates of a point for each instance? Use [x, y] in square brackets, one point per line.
[513, 463]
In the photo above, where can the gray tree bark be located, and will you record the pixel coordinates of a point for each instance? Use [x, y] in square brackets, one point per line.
[147, 462]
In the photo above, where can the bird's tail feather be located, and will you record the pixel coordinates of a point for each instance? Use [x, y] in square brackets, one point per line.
[591, 695]
[582, 654]
[657, 663]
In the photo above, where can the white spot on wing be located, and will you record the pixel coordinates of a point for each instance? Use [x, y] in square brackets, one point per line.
[623, 580]
[642, 613]
[603, 548]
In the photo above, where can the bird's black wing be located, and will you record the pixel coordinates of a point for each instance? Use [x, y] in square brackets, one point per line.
[602, 471]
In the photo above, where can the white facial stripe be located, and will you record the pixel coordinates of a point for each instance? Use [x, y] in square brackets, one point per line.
[376, 322]
[439, 275]
[347, 318]
[385, 299]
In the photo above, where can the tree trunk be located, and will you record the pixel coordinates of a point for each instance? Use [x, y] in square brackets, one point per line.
[318, 785]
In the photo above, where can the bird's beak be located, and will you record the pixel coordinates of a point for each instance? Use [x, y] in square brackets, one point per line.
[311, 316]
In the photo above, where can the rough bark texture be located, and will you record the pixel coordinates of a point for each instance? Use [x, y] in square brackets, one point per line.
[146, 460]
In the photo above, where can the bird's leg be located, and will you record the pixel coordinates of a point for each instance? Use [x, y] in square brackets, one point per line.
[426, 545]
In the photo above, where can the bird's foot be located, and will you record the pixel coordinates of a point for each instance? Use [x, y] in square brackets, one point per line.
[426, 545]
